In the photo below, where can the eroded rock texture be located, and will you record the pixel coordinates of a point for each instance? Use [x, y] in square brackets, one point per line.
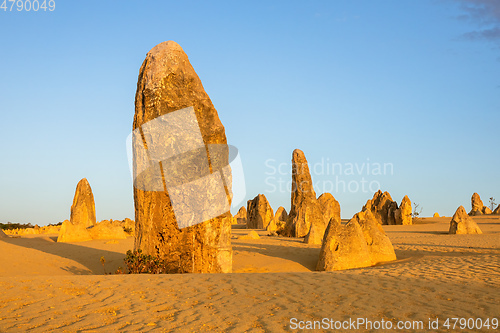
[241, 216]
[382, 207]
[259, 212]
[311, 213]
[344, 247]
[330, 208]
[461, 223]
[379, 245]
[386, 211]
[403, 214]
[361, 242]
[83, 208]
[478, 208]
[304, 208]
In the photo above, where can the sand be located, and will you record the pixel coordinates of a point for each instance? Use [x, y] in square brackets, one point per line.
[47, 286]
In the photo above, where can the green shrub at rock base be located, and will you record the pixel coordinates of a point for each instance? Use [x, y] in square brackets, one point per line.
[139, 263]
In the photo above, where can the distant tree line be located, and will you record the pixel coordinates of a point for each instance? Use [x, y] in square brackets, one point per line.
[11, 226]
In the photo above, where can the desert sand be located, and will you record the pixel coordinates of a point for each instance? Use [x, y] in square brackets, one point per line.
[48, 286]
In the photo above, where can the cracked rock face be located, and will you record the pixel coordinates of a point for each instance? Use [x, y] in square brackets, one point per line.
[189, 180]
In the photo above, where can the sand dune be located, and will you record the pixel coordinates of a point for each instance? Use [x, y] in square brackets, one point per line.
[48, 286]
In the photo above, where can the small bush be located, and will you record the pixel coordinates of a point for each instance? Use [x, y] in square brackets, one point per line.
[139, 263]
[417, 210]
[492, 204]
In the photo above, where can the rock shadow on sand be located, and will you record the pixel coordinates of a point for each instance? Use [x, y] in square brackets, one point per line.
[88, 257]
[306, 257]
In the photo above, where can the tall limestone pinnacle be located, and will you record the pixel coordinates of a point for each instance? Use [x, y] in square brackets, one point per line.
[83, 208]
[82, 215]
[304, 209]
[183, 192]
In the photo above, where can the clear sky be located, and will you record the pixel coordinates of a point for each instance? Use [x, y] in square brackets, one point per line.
[414, 85]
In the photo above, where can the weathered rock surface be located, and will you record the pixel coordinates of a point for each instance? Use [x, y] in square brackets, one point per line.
[303, 195]
[497, 210]
[167, 83]
[330, 212]
[83, 208]
[107, 230]
[259, 212]
[344, 247]
[2, 234]
[435, 215]
[478, 208]
[382, 207]
[311, 213]
[403, 213]
[330, 208]
[72, 233]
[379, 245]
[281, 214]
[461, 223]
[477, 205]
[361, 242]
[241, 216]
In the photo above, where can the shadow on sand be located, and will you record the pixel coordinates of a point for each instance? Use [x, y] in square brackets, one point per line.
[304, 256]
[88, 257]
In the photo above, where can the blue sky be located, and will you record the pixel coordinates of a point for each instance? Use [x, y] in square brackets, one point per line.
[413, 84]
